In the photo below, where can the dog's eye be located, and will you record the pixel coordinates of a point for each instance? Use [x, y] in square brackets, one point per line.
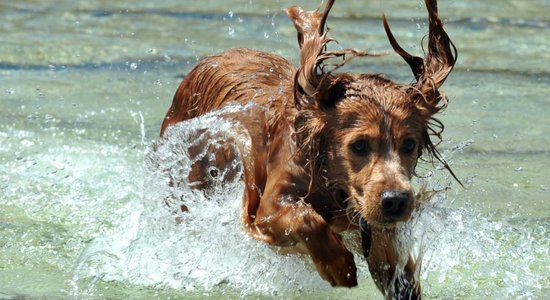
[408, 146]
[361, 147]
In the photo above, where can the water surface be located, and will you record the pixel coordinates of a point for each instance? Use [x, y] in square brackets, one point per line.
[84, 87]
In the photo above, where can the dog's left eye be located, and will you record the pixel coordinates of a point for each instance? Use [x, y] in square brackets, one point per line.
[408, 146]
[361, 147]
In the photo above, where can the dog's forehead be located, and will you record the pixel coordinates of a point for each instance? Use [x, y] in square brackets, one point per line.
[377, 88]
[377, 95]
[370, 103]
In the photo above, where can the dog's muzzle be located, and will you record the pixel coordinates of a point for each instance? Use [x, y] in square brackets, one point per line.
[394, 204]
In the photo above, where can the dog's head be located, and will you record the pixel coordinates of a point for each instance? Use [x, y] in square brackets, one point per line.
[363, 134]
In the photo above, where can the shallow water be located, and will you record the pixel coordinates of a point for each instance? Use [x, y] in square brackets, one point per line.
[83, 90]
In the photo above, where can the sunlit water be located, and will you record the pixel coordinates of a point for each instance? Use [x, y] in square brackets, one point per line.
[84, 87]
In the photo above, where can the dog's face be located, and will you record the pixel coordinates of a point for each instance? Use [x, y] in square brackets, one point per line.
[366, 132]
[373, 140]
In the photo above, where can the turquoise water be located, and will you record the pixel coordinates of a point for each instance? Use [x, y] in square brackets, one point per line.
[84, 87]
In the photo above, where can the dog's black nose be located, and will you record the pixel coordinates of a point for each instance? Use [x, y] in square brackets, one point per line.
[394, 203]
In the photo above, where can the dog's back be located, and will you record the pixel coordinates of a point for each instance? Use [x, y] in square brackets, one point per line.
[236, 75]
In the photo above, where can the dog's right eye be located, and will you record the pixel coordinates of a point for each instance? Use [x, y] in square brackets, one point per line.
[361, 147]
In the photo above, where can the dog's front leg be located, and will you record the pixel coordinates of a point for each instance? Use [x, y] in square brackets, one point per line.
[298, 224]
[392, 267]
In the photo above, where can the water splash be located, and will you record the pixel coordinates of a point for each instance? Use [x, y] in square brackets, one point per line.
[465, 254]
[202, 249]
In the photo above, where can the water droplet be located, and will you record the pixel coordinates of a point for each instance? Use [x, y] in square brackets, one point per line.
[519, 169]
[214, 172]
[214, 64]
[10, 91]
[230, 31]
[266, 35]
[133, 66]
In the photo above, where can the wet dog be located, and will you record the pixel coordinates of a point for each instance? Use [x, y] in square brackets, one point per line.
[329, 152]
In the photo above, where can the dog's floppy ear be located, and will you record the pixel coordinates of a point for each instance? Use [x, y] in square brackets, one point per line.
[313, 40]
[430, 72]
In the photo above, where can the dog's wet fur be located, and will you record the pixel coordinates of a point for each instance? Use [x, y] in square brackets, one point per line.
[329, 151]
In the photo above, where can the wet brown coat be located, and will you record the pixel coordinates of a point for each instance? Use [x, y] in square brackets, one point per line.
[328, 150]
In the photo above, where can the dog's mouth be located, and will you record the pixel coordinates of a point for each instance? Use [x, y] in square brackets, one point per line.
[378, 220]
[372, 212]
[390, 222]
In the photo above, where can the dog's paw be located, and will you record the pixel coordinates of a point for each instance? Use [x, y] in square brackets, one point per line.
[341, 271]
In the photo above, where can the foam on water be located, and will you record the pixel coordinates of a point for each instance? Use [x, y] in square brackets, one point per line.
[469, 255]
[95, 190]
[205, 249]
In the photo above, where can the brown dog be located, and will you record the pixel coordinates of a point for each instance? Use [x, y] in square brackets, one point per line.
[329, 152]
